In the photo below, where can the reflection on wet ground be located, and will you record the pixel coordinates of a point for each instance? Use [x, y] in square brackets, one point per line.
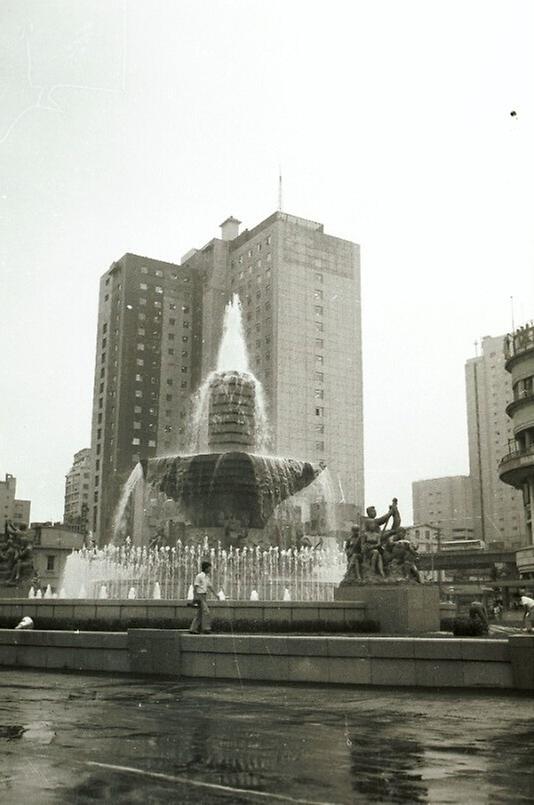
[86, 739]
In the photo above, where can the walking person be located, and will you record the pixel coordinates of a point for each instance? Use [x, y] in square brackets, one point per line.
[528, 611]
[202, 583]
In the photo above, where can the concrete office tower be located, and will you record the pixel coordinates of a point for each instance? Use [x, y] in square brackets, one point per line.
[144, 370]
[77, 491]
[446, 504]
[300, 292]
[498, 508]
[517, 466]
[17, 511]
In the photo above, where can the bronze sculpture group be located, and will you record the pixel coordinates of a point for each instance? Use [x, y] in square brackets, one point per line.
[378, 554]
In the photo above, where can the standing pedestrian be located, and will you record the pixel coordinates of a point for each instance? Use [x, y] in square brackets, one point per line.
[528, 611]
[202, 583]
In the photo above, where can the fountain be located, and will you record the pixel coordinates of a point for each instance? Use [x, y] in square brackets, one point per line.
[229, 479]
[227, 486]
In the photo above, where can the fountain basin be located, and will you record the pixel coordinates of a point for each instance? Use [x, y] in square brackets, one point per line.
[212, 488]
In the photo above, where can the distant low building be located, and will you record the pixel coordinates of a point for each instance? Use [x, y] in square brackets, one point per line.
[444, 503]
[426, 538]
[52, 544]
[16, 511]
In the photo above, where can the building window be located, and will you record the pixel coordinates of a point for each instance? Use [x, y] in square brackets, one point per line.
[50, 562]
[319, 428]
[136, 441]
[319, 394]
[142, 300]
[319, 376]
[170, 351]
[172, 306]
[138, 393]
[144, 270]
[319, 343]
[318, 277]
[140, 347]
[138, 409]
[318, 295]
[137, 426]
[319, 359]
[141, 316]
[319, 326]
[168, 397]
[319, 446]
[143, 286]
[159, 272]
[140, 331]
[184, 369]
[319, 411]
[151, 443]
[157, 304]
[159, 289]
[140, 362]
[318, 310]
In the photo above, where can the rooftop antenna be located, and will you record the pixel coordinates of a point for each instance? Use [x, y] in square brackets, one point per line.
[512, 306]
[476, 349]
[279, 188]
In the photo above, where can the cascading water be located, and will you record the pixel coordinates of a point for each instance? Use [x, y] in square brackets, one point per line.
[129, 572]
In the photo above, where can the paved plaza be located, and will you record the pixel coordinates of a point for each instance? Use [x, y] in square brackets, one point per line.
[86, 739]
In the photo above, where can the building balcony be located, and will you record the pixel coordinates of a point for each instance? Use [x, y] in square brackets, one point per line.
[517, 466]
[521, 402]
[524, 558]
[518, 344]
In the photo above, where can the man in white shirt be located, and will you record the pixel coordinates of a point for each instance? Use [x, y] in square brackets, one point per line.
[201, 585]
[528, 611]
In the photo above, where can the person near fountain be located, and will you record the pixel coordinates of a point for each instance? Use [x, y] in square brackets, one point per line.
[202, 584]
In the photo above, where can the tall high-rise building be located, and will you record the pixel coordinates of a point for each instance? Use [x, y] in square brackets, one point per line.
[159, 331]
[497, 508]
[77, 490]
[17, 511]
[446, 504]
[144, 371]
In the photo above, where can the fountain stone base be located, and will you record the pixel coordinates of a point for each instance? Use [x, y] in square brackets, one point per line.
[400, 607]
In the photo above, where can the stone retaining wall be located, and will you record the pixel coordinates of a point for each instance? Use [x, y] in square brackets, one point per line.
[343, 614]
[394, 661]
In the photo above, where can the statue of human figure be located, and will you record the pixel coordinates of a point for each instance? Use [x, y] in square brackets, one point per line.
[372, 539]
[353, 551]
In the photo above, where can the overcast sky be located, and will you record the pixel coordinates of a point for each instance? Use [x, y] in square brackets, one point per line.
[139, 126]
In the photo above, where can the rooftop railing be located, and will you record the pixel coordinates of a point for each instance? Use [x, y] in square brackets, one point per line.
[519, 341]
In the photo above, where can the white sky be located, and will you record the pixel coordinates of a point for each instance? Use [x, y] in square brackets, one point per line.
[139, 126]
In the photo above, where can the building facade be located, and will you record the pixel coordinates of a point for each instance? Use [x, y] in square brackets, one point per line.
[445, 504]
[516, 468]
[51, 546]
[77, 491]
[144, 370]
[159, 331]
[17, 511]
[498, 508]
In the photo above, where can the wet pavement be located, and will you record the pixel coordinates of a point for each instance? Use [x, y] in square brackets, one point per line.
[85, 739]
